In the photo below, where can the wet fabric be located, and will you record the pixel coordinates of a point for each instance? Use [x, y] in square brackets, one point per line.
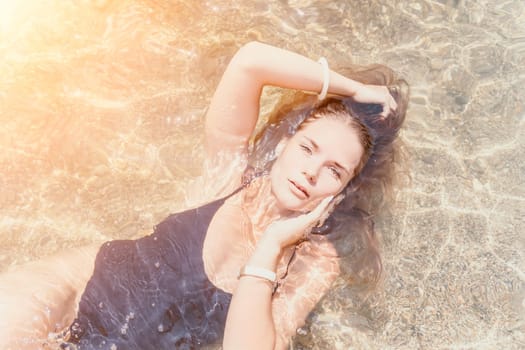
[153, 293]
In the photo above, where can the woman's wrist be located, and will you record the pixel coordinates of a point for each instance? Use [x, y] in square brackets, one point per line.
[341, 85]
[352, 87]
[266, 254]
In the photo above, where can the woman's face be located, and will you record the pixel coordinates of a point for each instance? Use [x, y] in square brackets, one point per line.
[318, 161]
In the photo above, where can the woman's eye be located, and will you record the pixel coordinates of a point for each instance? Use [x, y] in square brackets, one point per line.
[335, 172]
[306, 149]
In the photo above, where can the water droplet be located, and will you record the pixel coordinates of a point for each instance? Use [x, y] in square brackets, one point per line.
[302, 331]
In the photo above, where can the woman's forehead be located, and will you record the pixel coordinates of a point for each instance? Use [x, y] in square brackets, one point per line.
[334, 136]
[327, 126]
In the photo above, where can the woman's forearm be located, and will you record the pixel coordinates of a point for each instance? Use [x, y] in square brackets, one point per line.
[250, 322]
[269, 65]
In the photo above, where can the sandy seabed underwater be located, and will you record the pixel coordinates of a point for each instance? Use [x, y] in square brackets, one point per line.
[101, 120]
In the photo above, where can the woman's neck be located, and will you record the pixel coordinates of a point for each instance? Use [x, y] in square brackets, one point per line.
[260, 204]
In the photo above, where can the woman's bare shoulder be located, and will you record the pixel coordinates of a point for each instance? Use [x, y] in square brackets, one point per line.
[221, 174]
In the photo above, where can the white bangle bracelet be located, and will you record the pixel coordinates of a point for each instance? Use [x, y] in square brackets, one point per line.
[326, 78]
[259, 272]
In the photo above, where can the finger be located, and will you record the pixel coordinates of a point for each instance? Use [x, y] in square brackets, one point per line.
[393, 104]
[389, 107]
[386, 111]
[316, 213]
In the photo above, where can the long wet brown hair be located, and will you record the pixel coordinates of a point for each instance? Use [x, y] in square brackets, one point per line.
[350, 227]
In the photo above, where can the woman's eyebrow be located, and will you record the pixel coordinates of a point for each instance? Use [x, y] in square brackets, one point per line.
[314, 145]
[341, 167]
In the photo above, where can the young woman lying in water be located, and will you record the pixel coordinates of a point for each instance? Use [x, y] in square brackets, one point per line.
[244, 270]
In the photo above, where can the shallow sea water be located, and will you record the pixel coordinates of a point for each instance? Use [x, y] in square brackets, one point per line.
[101, 116]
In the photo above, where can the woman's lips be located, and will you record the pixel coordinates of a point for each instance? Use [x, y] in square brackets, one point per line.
[299, 190]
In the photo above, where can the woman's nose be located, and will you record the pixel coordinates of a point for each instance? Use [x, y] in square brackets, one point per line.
[311, 173]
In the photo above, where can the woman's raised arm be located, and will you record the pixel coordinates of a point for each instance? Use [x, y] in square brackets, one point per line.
[234, 108]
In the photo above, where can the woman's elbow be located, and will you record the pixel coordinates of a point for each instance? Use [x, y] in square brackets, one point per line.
[248, 56]
[251, 48]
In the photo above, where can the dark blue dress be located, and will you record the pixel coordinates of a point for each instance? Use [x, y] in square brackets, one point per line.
[153, 293]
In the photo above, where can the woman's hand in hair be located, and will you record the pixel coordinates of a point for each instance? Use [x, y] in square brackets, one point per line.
[376, 94]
